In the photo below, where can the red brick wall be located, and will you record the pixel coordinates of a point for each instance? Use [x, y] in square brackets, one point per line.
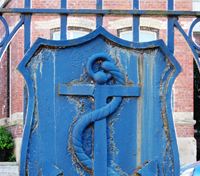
[184, 130]
[183, 5]
[3, 88]
[17, 82]
[183, 101]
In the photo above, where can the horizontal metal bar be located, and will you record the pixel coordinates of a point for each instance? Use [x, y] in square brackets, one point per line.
[92, 90]
[102, 12]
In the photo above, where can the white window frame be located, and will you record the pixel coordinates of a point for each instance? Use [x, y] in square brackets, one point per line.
[70, 32]
[142, 29]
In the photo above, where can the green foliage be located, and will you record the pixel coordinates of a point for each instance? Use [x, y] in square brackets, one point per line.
[6, 145]
[6, 139]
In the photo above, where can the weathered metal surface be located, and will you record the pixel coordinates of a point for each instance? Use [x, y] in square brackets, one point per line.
[99, 106]
[197, 171]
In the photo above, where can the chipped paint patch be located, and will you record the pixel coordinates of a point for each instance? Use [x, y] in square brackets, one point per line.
[35, 65]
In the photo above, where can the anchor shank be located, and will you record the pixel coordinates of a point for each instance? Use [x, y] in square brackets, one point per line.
[100, 94]
[100, 140]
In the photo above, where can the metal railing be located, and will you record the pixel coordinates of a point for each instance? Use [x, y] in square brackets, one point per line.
[170, 13]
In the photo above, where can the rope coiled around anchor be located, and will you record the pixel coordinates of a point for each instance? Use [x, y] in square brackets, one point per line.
[107, 71]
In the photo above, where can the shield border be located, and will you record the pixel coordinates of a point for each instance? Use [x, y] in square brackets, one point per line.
[173, 72]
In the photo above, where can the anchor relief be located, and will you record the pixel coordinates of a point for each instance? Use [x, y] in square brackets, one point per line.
[106, 73]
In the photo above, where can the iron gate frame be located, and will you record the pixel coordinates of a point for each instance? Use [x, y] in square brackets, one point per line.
[170, 13]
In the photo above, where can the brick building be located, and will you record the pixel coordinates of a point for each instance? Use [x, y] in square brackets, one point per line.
[12, 83]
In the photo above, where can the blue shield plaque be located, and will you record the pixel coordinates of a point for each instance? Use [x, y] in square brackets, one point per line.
[101, 106]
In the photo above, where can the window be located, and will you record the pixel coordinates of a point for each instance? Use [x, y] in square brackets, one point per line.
[196, 5]
[196, 34]
[146, 34]
[72, 33]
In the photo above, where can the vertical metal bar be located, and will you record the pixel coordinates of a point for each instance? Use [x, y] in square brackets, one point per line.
[100, 141]
[27, 43]
[136, 22]
[63, 22]
[99, 18]
[8, 82]
[170, 28]
[136, 37]
[27, 32]
[100, 133]
[25, 104]
[170, 4]
[27, 27]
